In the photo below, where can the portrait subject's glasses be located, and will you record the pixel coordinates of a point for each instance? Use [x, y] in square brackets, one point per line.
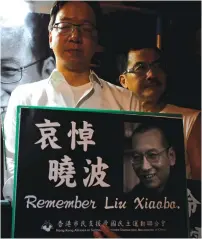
[66, 28]
[151, 156]
[11, 74]
[141, 68]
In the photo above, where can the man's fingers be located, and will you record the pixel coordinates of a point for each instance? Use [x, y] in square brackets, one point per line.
[106, 230]
[97, 234]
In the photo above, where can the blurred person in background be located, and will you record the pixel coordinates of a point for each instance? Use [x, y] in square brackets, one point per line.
[25, 54]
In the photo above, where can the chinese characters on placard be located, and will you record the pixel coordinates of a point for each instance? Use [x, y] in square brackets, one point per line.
[85, 135]
[65, 171]
[192, 207]
[48, 131]
[192, 203]
[133, 225]
[112, 223]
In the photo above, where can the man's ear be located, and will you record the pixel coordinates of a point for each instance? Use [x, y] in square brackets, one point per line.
[48, 67]
[123, 81]
[50, 39]
[172, 156]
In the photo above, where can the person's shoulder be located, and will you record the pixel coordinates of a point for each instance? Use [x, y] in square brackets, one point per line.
[106, 85]
[32, 85]
[124, 97]
[191, 117]
[116, 88]
[30, 88]
[186, 112]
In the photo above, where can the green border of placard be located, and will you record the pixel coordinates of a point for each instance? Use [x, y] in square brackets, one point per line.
[15, 170]
[170, 115]
[120, 112]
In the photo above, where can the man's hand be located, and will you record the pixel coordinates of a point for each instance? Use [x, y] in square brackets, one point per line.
[105, 232]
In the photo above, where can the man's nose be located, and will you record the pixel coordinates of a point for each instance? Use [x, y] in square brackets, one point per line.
[150, 73]
[146, 164]
[75, 35]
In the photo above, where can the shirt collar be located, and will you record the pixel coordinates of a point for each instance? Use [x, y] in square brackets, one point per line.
[56, 78]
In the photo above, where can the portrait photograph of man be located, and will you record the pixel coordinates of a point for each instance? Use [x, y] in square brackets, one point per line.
[25, 53]
[150, 159]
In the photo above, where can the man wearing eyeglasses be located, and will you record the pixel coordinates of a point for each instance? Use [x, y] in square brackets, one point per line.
[25, 54]
[73, 37]
[143, 71]
[152, 157]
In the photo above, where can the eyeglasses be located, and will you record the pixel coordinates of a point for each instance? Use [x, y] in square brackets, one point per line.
[11, 75]
[141, 68]
[151, 156]
[66, 28]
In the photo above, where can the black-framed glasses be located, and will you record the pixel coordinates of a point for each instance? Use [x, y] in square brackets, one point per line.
[151, 156]
[66, 28]
[11, 75]
[141, 68]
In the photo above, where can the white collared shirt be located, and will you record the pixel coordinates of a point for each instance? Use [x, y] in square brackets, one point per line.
[56, 92]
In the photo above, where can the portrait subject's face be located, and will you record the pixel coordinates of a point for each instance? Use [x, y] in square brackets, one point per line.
[74, 47]
[15, 53]
[153, 169]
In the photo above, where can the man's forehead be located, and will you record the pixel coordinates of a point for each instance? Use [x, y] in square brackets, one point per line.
[12, 33]
[153, 133]
[151, 139]
[146, 54]
[15, 35]
[15, 42]
[76, 11]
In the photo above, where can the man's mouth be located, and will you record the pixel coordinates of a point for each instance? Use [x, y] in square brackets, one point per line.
[149, 176]
[74, 49]
[152, 85]
[75, 52]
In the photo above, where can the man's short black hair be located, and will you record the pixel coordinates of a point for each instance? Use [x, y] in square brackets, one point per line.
[59, 4]
[144, 127]
[122, 58]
